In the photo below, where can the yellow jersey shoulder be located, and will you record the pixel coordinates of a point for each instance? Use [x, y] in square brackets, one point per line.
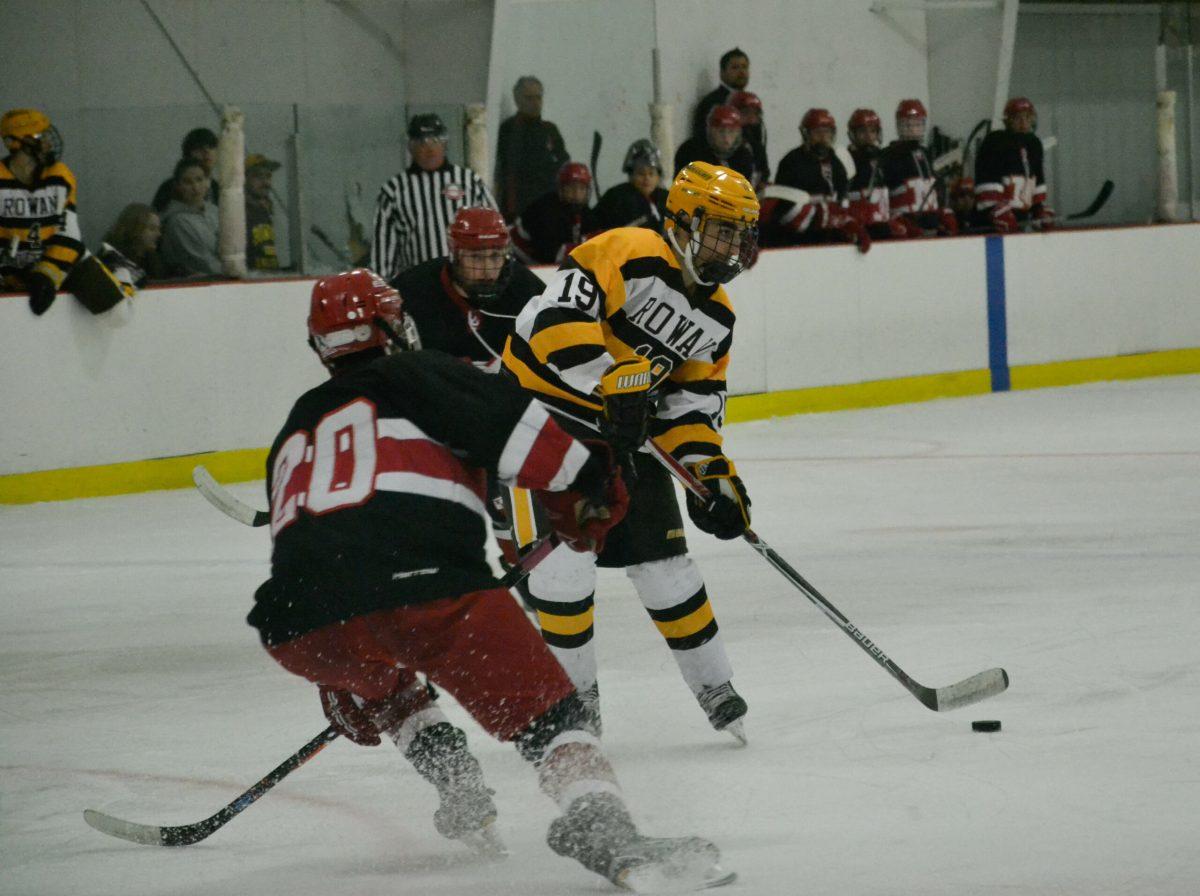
[622, 244]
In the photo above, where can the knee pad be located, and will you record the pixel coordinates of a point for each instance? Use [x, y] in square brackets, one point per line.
[564, 576]
[662, 584]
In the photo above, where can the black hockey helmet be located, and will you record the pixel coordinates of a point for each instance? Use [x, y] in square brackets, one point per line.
[426, 125]
[642, 152]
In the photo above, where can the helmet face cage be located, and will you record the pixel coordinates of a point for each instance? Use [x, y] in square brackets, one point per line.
[718, 248]
[476, 273]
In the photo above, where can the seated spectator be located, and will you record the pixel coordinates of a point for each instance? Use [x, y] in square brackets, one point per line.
[260, 214]
[867, 195]
[640, 201]
[190, 225]
[529, 151]
[721, 145]
[909, 177]
[735, 75]
[41, 248]
[1009, 173]
[807, 203]
[199, 144]
[558, 221]
[130, 248]
[754, 130]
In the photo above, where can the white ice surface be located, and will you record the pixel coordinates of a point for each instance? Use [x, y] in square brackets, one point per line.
[1050, 532]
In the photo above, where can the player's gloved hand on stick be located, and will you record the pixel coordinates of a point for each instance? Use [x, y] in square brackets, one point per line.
[350, 719]
[625, 390]
[947, 222]
[726, 513]
[1005, 221]
[852, 230]
[595, 502]
[905, 228]
[42, 292]
[1044, 217]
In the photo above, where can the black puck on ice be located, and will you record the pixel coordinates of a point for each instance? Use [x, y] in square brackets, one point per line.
[985, 726]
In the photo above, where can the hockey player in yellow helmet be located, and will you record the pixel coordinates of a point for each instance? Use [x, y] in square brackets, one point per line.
[631, 306]
[712, 222]
[41, 249]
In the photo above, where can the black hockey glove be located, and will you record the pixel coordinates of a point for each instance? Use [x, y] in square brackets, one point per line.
[42, 292]
[726, 514]
[625, 390]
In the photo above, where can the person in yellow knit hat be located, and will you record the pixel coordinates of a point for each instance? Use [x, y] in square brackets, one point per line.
[631, 305]
[41, 250]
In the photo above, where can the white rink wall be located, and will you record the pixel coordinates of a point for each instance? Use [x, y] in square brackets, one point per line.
[212, 368]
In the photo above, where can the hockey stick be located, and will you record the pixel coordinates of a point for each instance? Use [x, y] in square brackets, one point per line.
[1098, 203]
[596, 141]
[219, 497]
[187, 834]
[964, 693]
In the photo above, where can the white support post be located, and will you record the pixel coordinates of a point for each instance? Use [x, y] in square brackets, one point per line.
[231, 175]
[662, 128]
[1168, 176]
[1008, 41]
[477, 142]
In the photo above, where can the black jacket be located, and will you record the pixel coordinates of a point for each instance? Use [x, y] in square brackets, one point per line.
[624, 206]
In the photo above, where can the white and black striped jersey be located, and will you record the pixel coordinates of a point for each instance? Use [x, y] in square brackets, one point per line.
[39, 228]
[377, 487]
[414, 214]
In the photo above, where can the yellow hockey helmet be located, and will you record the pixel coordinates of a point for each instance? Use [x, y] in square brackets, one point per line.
[19, 124]
[704, 193]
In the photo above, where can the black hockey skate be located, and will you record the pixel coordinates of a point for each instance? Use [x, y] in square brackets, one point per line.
[598, 833]
[725, 709]
[467, 813]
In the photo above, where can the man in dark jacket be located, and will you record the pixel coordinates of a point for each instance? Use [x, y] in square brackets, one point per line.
[735, 75]
[529, 151]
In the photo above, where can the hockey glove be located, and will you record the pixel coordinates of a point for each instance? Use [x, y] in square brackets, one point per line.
[1044, 217]
[726, 513]
[595, 502]
[947, 222]
[42, 292]
[905, 228]
[348, 717]
[852, 230]
[1004, 221]
[625, 390]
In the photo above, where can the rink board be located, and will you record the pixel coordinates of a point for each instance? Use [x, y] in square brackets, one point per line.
[206, 373]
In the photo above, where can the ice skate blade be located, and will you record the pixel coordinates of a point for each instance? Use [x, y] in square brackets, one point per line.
[485, 842]
[653, 879]
[738, 731]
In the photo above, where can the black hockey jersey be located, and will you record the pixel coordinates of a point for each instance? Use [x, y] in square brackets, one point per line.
[785, 222]
[449, 323]
[376, 485]
[624, 206]
[866, 192]
[549, 228]
[1009, 173]
[742, 160]
[909, 178]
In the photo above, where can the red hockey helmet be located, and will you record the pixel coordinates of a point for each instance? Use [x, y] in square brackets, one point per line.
[574, 173]
[749, 106]
[724, 117]
[478, 227]
[862, 120]
[1020, 105]
[817, 118]
[910, 120]
[353, 312]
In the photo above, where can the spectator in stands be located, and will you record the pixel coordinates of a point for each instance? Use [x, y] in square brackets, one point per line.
[721, 145]
[130, 248]
[190, 225]
[260, 214]
[735, 75]
[807, 203]
[199, 144]
[417, 206]
[754, 131]
[640, 201]
[529, 151]
[558, 221]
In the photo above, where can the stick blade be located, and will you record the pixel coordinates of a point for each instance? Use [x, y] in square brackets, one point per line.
[219, 498]
[971, 690]
[146, 834]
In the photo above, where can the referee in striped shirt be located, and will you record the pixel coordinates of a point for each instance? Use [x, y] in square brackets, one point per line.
[417, 206]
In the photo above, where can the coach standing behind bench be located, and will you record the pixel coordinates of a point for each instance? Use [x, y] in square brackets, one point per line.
[417, 206]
